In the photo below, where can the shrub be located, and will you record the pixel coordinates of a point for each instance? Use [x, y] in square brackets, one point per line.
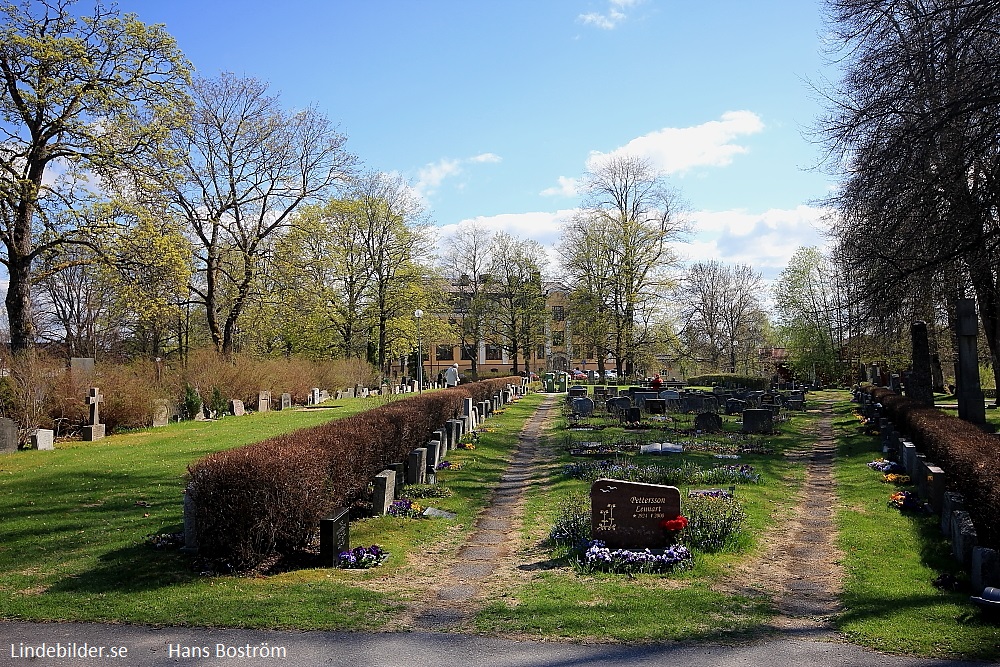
[713, 522]
[572, 527]
[969, 456]
[269, 497]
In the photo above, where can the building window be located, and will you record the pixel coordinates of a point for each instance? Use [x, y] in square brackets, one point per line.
[466, 353]
[493, 352]
[445, 352]
[590, 353]
[558, 338]
[540, 352]
[558, 314]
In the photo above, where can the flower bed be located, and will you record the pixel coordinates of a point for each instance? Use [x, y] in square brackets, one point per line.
[598, 557]
[362, 558]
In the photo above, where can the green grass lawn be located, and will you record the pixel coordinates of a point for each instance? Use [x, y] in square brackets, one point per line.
[76, 522]
[891, 560]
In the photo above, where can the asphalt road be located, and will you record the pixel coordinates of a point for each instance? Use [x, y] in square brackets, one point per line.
[97, 645]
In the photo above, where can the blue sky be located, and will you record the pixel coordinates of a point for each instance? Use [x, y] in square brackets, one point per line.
[491, 109]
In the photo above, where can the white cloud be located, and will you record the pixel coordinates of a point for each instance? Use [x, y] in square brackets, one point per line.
[431, 175]
[765, 241]
[568, 187]
[486, 157]
[542, 226]
[675, 150]
[610, 19]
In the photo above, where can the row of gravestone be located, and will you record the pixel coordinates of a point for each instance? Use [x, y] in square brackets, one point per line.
[420, 467]
[755, 420]
[931, 482]
[43, 438]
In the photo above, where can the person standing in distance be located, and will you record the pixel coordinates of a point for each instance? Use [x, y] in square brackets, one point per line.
[451, 376]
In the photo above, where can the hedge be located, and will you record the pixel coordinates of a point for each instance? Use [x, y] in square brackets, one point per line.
[729, 380]
[969, 456]
[268, 497]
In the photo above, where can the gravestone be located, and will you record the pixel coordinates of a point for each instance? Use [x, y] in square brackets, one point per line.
[631, 415]
[314, 396]
[629, 515]
[8, 436]
[735, 406]
[190, 525]
[963, 537]
[640, 397]
[985, 569]
[441, 435]
[758, 421]
[433, 454]
[286, 401]
[583, 407]
[236, 407]
[708, 422]
[264, 401]
[416, 466]
[693, 403]
[94, 430]
[81, 367]
[334, 536]
[656, 406]
[950, 502]
[43, 439]
[400, 479]
[577, 391]
[161, 412]
[971, 400]
[384, 492]
[619, 404]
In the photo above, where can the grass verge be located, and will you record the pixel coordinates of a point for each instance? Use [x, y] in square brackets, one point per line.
[891, 560]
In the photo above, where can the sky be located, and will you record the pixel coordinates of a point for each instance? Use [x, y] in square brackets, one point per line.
[491, 109]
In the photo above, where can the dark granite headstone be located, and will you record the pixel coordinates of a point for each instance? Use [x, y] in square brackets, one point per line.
[656, 406]
[629, 515]
[583, 407]
[633, 415]
[709, 422]
[334, 536]
[8, 436]
[619, 403]
[758, 421]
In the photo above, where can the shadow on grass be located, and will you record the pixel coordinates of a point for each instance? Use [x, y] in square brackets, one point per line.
[132, 569]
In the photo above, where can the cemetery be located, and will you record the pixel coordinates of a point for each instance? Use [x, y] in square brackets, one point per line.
[657, 497]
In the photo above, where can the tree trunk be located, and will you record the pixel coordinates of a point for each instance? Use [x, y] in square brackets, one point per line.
[18, 301]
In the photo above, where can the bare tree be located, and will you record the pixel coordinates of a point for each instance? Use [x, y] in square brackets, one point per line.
[467, 258]
[246, 165]
[629, 218]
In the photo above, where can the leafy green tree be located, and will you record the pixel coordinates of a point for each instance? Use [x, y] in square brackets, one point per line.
[79, 97]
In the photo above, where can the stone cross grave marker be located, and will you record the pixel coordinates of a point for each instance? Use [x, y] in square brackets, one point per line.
[94, 430]
[630, 515]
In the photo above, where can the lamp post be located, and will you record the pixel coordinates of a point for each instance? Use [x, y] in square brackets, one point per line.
[417, 314]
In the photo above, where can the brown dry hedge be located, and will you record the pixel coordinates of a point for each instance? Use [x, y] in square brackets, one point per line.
[268, 497]
[969, 456]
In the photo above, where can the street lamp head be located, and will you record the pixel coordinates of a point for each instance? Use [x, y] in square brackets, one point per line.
[418, 313]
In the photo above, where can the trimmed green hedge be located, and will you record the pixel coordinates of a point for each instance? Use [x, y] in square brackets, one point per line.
[268, 497]
[969, 456]
[730, 380]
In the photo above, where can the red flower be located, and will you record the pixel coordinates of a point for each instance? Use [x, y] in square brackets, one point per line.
[676, 524]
